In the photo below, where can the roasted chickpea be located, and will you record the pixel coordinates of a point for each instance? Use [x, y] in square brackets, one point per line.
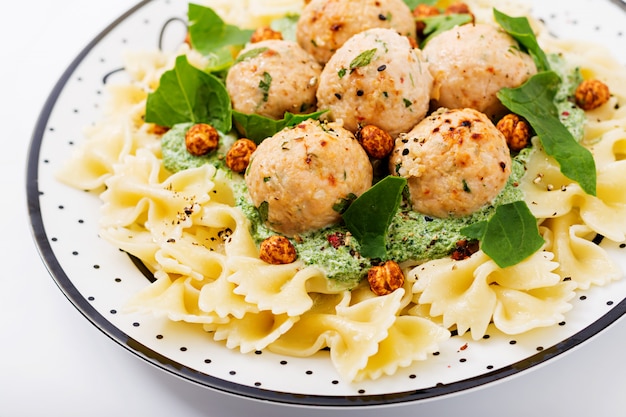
[277, 250]
[201, 139]
[591, 94]
[459, 8]
[238, 156]
[265, 33]
[376, 142]
[386, 278]
[516, 131]
[158, 129]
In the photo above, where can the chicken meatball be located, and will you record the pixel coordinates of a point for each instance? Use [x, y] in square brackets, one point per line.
[455, 161]
[273, 77]
[298, 177]
[470, 63]
[325, 25]
[377, 78]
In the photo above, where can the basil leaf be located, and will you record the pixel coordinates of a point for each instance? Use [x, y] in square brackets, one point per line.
[257, 128]
[369, 216]
[509, 236]
[208, 32]
[533, 100]
[520, 30]
[434, 25]
[187, 94]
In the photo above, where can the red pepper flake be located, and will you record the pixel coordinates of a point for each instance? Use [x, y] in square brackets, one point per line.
[336, 239]
[463, 347]
[565, 113]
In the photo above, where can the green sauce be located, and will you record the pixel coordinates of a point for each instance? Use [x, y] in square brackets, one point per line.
[412, 236]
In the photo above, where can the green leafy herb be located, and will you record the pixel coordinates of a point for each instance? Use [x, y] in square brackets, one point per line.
[407, 102]
[342, 72]
[256, 127]
[519, 28]
[208, 32]
[250, 54]
[187, 94]
[533, 100]
[369, 216]
[265, 84]
[434, 25]
[509, 236]
[363, 59]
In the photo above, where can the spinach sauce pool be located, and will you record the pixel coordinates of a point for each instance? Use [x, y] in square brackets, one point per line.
[412, 236]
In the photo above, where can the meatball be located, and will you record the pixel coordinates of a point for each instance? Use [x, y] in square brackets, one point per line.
[272, 77]
[456, 161]
[299, 176]
[376, 78]
[325, 25]
[470, 63]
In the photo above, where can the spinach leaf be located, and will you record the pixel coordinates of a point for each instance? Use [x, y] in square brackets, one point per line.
[533, 100]
[257, 128]
[520, 30]
[369, 216]
[209, 33]
[441, 23]
[187, 94]
[509, 236]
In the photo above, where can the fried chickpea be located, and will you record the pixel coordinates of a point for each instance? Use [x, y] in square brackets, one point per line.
[265, 33]
[591, 94]
[386, 278]
[459, 8]
[157, 129]
[238, 156]
[201, 139]
[516, 131]
[277, 250]
[376, 142]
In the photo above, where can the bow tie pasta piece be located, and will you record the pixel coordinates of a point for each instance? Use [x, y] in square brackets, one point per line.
[227, 226]
[141, 191]
[254, 331]
[551, 194]
[186, 257]
[410, 339]
[134, 240]
[466, 293]
[520, 311]
[219, 297]
[352, 332]
[457, 290]
[579, 258]
[173, 297]
[278, 288]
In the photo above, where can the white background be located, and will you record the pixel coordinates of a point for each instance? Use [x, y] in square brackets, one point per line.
[53, 362]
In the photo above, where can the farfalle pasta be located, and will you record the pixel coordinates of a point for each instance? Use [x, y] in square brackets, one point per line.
[189, 231]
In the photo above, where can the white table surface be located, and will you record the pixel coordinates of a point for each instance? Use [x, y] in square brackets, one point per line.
[53, 362]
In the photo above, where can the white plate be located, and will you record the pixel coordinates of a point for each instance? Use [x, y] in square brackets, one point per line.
[98, 279]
